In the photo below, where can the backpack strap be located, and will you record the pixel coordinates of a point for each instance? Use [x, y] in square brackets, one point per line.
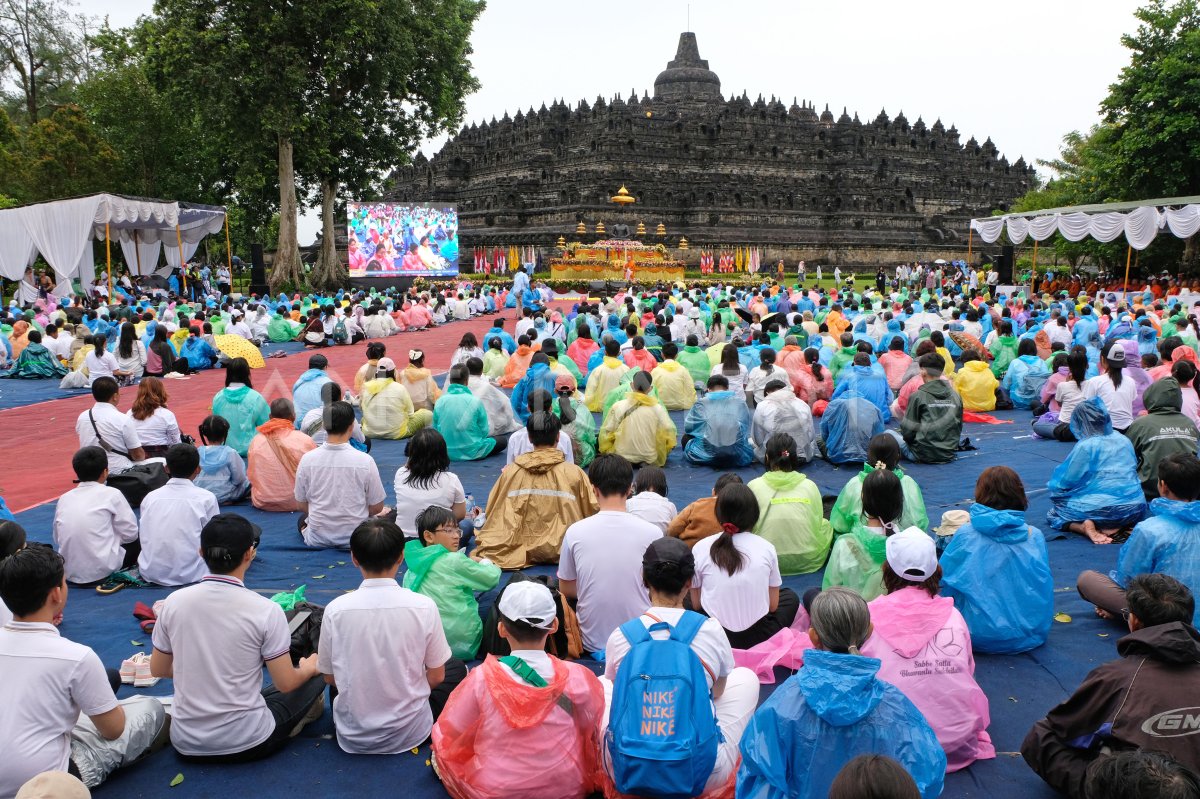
[635, 632]
[686, 628]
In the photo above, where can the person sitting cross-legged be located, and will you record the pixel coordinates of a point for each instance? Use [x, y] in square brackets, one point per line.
[387, 409]
[94, 527]
[716, 431]
[1139, 701]
[505, 731]
[1168, 542]
[213, 640]
[383, 651]
[57, 707]
[462, 420]
[337, 487]
[638, 427]
[781, 411]
[932, 423]
[274, 457]
[536, 498]
[834, 708]
[172, 517]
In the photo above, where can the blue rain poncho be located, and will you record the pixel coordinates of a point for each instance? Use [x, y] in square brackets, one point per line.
[847, 428]
[832, 710]
[998, 573]
[719, 424]
[306, 392]
[1024, 379]
[1166, 543]
[538, 375]
[868, 382]
[1099, 479]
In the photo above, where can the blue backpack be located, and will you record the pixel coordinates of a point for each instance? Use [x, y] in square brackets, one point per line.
[662, 735]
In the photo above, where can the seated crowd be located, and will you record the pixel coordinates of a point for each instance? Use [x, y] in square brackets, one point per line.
[636, 670]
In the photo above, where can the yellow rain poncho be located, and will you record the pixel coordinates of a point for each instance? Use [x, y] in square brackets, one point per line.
[639, 430]
[603, 379]
[676, 388]
[387, 410]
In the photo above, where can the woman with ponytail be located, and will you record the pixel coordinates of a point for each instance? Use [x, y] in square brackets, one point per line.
[883, 452]
[815, 385]
[668, 567]
[857, 558]
[832, 710]
[737, 578]
[790, 511]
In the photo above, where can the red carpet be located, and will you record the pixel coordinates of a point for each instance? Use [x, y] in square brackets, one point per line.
[40, 439]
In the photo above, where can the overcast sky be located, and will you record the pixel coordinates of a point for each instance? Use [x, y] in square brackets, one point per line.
[1024, 72]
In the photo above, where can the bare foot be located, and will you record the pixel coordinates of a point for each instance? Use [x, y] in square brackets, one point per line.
[1094, 535]
[1104, 614]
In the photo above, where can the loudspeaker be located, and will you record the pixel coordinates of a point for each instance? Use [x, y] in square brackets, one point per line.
[258, 270]
[1005, 264]
[598, 287]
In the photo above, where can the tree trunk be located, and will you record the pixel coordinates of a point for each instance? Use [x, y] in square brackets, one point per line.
[329, 273]
[287, 268]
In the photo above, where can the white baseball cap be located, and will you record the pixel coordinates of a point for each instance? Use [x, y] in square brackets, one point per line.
[912, 555]
[529, 602]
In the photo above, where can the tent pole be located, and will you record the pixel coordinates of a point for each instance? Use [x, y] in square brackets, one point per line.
[108, 258]
[137, 251]
[970, 241]
[1033, 272]
[182, 265]
[228, 248]
[1128, 258]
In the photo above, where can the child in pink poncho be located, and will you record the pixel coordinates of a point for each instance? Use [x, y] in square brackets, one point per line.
[925, 648]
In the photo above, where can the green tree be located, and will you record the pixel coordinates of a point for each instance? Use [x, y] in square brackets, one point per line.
[389, 74]
[65, 156]
[273, 77]
[44, 45]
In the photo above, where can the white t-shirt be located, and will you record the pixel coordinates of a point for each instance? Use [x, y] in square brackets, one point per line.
[339, 483]
[651, 507]
[220, 634]
[1118, 400]
[91, 521]
[1068, 395]
[48, 682]
[100, 365]
[160, 429]
[518, 445]
[737, 601]
[377, 643]
[445, 489]
[710, 644]
[737, 383]
[117, 430]
[603, 554]
[757, 379]
[313, 425]
[172, 517]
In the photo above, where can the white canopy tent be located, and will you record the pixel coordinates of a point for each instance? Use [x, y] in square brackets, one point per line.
[62, 231]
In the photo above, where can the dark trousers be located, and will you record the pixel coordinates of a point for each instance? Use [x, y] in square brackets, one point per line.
[288, 709]
[501, 443]
[764, 628]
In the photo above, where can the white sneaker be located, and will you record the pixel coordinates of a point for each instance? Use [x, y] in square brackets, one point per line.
[142, 677]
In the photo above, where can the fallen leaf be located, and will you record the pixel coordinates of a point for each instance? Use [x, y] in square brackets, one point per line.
[178, 779]
[341, 563]
[331, 566]
[318, 577]
[1101, 635]
[1013, 699]
[415, 749]
[1062, 618]
[427, 762]
[137, 643]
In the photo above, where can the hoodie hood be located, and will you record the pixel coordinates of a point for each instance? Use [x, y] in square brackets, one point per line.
[976, 366]
[214, 458]
[1188, 512]
[938, 389]
[420, 559]
[374, 386]
[1171, 643]
[909, 618]
[1002, 526]
[309, 376]
[540, 461]
[235, 394]
[1163, 396]
[1090, 418]
[783, 481]
[841, 689]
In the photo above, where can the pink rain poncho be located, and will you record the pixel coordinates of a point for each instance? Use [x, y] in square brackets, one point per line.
[499, 738]
[925, 648]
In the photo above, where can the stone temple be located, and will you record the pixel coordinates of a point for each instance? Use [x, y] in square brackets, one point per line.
[720, 172]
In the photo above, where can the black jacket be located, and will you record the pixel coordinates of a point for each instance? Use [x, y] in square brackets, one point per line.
[1148, 699]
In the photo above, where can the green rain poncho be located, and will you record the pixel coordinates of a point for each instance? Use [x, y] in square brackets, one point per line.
[451, 579]
[789, 516]
[695, 360]
[36, 363]
[856, 562]
[581, 429]
[493, 363]
[280, 329]
[1004, 352]
[847, 511]
[462, 420]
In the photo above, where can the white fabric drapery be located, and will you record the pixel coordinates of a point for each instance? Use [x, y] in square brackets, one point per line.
[1140, 225]
[172, 253]
[62, 232]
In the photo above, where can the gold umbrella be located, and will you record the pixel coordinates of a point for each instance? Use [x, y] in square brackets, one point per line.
[235, 346]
